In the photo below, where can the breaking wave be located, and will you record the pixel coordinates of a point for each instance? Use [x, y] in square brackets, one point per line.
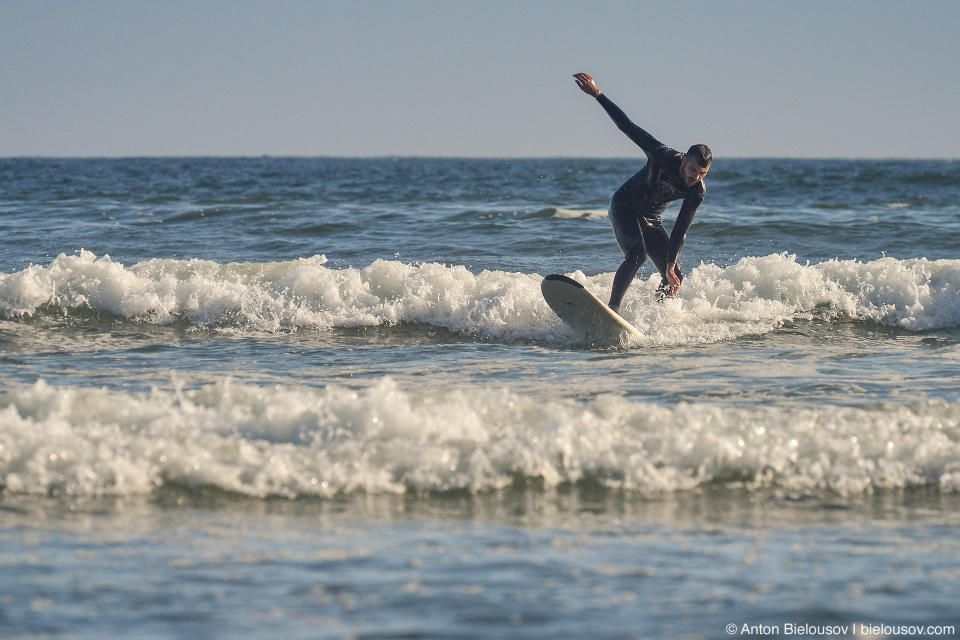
[754, 296]
[264, 441]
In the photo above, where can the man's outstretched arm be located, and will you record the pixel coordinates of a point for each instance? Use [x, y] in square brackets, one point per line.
[640, 137]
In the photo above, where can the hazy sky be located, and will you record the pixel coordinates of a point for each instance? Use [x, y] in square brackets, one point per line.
[487, 78]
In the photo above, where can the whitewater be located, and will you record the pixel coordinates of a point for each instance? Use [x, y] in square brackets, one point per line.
[755, 295]
[297, 442]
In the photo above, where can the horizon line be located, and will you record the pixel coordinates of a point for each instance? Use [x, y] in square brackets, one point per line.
[390, 156]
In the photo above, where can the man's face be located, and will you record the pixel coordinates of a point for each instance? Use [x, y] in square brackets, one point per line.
[691, 172]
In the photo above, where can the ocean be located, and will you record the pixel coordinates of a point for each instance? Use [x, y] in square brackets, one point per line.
[324, 398]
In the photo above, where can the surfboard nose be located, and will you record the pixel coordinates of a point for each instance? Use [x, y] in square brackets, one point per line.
[584, 312]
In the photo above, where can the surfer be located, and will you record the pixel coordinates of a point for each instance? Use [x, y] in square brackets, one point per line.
[636, 207]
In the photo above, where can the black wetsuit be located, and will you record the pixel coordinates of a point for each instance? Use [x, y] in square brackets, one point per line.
[636, 207]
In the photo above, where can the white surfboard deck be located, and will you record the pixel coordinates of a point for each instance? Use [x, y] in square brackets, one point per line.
[584, 312]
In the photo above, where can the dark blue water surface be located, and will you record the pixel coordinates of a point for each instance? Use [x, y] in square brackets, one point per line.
[495, 214]
[218, 433]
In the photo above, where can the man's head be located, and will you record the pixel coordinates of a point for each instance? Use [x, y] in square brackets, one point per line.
[696, 164]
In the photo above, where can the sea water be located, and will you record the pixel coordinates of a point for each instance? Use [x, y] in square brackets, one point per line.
[323, 398]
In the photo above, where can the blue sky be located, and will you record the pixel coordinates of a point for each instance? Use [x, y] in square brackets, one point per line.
[478, 79]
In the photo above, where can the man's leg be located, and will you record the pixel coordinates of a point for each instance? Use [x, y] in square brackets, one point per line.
[626, 228]
[625, 275]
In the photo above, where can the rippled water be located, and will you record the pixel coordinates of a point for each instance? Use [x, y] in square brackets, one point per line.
[324, 398]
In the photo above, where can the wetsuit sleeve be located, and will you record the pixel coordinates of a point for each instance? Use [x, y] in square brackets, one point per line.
[684, 219]
[641, 138]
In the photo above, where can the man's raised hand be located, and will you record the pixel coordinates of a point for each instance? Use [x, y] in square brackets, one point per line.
[586, 84]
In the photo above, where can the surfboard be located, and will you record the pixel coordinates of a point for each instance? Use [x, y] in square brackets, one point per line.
[584, 312]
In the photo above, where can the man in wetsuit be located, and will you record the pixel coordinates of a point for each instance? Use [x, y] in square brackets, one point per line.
[636, 207]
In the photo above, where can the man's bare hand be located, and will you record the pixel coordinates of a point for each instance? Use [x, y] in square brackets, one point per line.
[586, 84]
[673, 280]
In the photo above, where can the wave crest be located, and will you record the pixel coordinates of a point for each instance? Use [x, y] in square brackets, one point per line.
[753, 296]
[298, 442]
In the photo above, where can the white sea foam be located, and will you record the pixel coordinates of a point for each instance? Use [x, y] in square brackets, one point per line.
[754, 296]
[590, 214]
[292, 442]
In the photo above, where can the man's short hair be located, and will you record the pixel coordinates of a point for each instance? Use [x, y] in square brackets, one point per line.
[702, 154]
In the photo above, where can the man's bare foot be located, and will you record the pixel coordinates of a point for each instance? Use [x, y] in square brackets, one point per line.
[615, 309]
